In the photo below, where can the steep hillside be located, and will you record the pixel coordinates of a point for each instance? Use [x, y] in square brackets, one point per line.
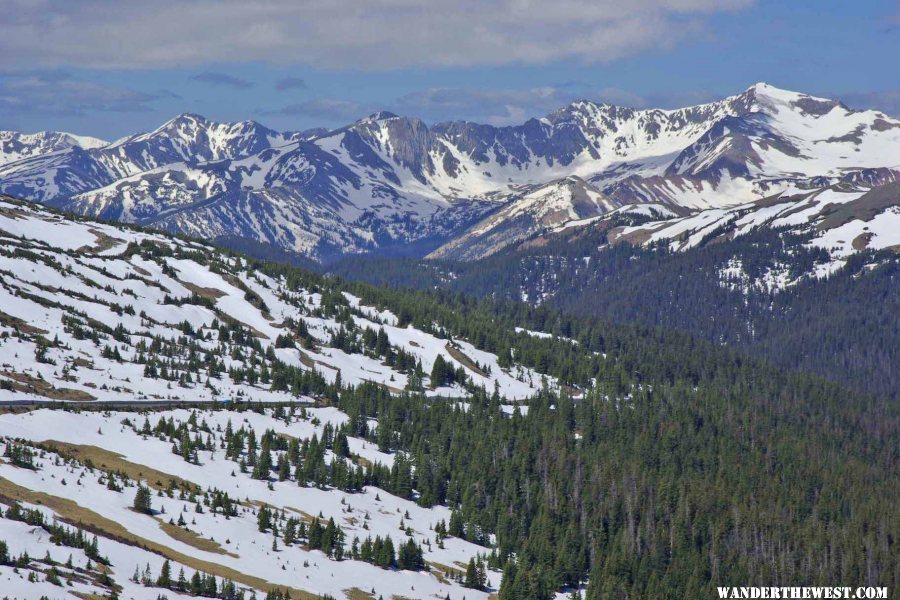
[97, 312]
[842, 220]
[538, 209]
[252, 529]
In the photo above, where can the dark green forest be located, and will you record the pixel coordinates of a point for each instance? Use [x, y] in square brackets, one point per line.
[680, 464]
[845, 328]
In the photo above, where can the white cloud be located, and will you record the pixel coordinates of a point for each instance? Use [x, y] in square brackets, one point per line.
[375, 34]
[505, 106]
[492, 106]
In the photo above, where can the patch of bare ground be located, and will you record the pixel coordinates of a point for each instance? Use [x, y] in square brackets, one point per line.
[306, 360]
[635, 238]
[13, 213]
[445, 572]
[104, 242]
[20, 325]
[72, 513]
[463, 359]
[25, 383]
[204, 292]
[864, 208]
[192, 538]
[112, 461]
[861, 242]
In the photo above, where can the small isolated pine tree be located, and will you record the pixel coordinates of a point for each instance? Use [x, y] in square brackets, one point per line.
[143, 500]
[439, 371]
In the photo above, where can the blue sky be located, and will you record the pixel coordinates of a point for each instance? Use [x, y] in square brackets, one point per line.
[109, 68]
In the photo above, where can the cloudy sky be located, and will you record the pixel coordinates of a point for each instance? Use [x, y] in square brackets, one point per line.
[112, 67]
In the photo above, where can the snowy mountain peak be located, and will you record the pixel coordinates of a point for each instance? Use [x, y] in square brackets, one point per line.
[183, 119]
[193, 128]
[761, 88]
[766, 98]
[381, 115]
[16, 146]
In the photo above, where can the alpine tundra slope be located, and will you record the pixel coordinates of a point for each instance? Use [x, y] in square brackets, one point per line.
[97, 312]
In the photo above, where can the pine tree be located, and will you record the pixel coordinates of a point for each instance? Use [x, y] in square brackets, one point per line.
[474, 578]
[410, 556]
[264, 518]
[439, 372]
[143, 500]
[165, 575]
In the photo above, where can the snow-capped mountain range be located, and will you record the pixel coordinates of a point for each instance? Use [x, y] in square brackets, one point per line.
[457, 189]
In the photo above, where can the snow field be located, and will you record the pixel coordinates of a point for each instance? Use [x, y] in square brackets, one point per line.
[371, 512]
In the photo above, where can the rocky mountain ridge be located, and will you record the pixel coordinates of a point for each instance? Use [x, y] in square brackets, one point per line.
[389, 183]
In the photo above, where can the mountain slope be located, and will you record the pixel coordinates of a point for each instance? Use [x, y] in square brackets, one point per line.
[762, 143]
[92, 313]
[806, 279]
[537, 209]
[53, 178]
[63, 278]
[260, 442]
[843, 219]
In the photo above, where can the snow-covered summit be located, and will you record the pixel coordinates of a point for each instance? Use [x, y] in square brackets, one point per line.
[15, 146]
